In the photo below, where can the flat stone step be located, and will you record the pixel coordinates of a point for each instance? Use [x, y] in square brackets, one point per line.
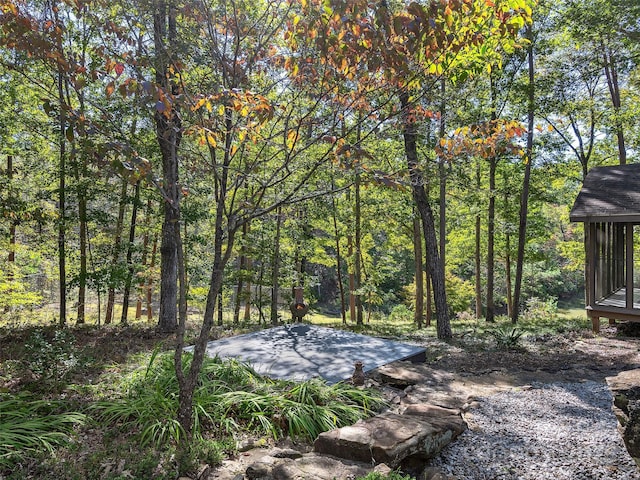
[422, 430]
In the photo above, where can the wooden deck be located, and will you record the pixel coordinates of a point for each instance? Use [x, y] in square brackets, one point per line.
[618, 299]
[614, 307]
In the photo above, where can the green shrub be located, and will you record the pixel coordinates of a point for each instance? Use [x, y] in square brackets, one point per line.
[537, 309]
[400, 313]
[50, 359]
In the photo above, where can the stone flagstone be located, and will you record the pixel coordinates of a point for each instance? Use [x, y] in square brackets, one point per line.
[390, 437]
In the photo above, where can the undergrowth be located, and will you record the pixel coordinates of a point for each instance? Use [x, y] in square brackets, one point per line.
[231, 397]
[28, 426]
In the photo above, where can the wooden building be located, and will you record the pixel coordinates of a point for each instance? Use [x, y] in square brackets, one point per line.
[609, 206]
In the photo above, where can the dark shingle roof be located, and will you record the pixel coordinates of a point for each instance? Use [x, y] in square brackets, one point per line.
[609, 194]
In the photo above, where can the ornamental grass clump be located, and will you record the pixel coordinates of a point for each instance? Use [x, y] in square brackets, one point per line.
[507, 337]
[29, 426]
[232, 397]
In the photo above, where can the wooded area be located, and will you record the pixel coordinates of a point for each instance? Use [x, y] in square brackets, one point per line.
[166, 160]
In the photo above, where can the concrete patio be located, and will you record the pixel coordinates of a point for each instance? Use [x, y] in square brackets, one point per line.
[301, 351]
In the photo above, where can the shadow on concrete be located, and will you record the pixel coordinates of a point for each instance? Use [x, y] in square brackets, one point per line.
[301, 351]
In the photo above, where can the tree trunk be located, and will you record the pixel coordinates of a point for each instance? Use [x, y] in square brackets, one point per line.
[491, 217]
[611, 72]
[239, 285]
[132, 238]
[247, 293]
[358, 251]
[428, 295]
[436, 268]
[477, 256]
[187, 383]
[442, 174]
[149, 288]
[524, 197]
[275, 269]
[419, 273]
[220, 310]
[12, 225]
[62, 265]
[111, 293]
[143, 260]
[343, 308]
[508, 272]
[352, 281]
[169, 134]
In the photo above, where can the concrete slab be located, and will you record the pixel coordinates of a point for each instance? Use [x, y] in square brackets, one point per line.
[301, 351]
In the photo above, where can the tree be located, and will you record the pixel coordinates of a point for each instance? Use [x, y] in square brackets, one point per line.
[376, 43]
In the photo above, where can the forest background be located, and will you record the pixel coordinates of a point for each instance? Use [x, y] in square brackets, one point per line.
[315, 186]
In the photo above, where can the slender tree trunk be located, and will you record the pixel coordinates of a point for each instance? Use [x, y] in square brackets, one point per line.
[477, 255]
[436, 268]
[246, 230]
[12, 225]
[524, 197]
[491, 217]
[343, 308]
[149, 287]
[508, 274]
[259, 299]
[352, 281]
[611, 72]
[239, 286]
[275, 278]
[80, 173]
[220, 310]
[419, 273]
[143, 260]
[428, 294]
[169, 134]
[358, 251]
[132, 238]
[247, 292]
[62, 265]
[117, 243]
[187, 383]
[442, 173]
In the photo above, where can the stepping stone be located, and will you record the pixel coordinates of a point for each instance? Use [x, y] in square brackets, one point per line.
[309, 466]
[390, 437]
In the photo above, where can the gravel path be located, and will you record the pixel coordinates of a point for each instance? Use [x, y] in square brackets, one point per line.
[559, 431]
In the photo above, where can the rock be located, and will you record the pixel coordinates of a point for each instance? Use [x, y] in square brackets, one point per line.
[318, 467]
[389, 437]
[285, 453]
[308, 466]
[400, 374]
[260, 470]
[625, 388]
[426, 410]
[383, 469]
[433, 473]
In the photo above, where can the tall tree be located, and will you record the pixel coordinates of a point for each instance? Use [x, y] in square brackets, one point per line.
[524, 195]
[169, 134]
